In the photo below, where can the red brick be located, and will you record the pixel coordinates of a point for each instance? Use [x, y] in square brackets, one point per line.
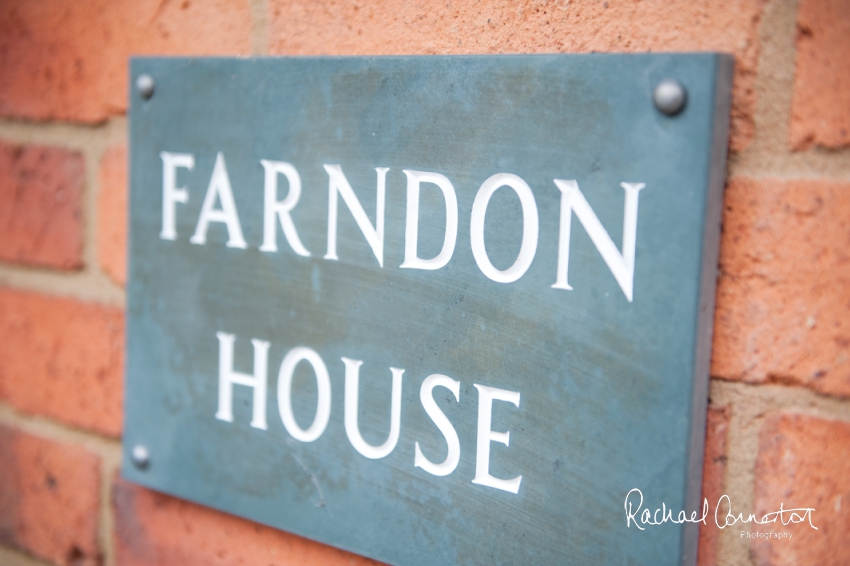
[63, 359]
[783, 299]
[49, 498]
[820, 114]
[68, 60]
[802, 462]
[154, 529]
[112, 214]
[348, 27]
[40, 205]
[713, 479]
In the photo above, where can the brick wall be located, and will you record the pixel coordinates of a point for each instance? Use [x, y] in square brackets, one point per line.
[779, 417]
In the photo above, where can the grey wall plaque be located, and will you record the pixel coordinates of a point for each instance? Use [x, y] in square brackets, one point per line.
[432, 310]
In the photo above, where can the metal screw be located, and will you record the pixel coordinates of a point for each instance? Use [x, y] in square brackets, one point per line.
[670, 97]
[140, 456]
[144, 83]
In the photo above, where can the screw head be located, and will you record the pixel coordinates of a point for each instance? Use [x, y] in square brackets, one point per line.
[144, 84]
[670, 97]
[140, 456]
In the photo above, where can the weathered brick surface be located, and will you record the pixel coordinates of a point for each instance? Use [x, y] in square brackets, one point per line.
[713, 476]
[347, 27]
[49, 498]
[68, 60]
[803, 462]
[40, 205]
[783, 299]
[820, 113]
[112, 214]
[154, 529]
[62, 358]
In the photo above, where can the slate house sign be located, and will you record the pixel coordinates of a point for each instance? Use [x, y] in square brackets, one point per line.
[432, 310]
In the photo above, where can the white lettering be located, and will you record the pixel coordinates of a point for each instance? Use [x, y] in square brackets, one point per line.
[486, 395]
[171, 194]
[219, 187]
[227, 378]
[427, 398]
[275, 209]
[621, 265]
[529, 227]
[284, 394]
[339, 185]
[411, 233]
[352, 377]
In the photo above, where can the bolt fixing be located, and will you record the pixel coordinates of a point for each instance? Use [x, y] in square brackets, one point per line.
[670, 97]
[140, 456]
[144, 84]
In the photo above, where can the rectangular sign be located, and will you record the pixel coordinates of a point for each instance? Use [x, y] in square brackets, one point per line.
[432, 310]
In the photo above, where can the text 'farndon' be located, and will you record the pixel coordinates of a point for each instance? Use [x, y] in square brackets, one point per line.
[219, 206]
